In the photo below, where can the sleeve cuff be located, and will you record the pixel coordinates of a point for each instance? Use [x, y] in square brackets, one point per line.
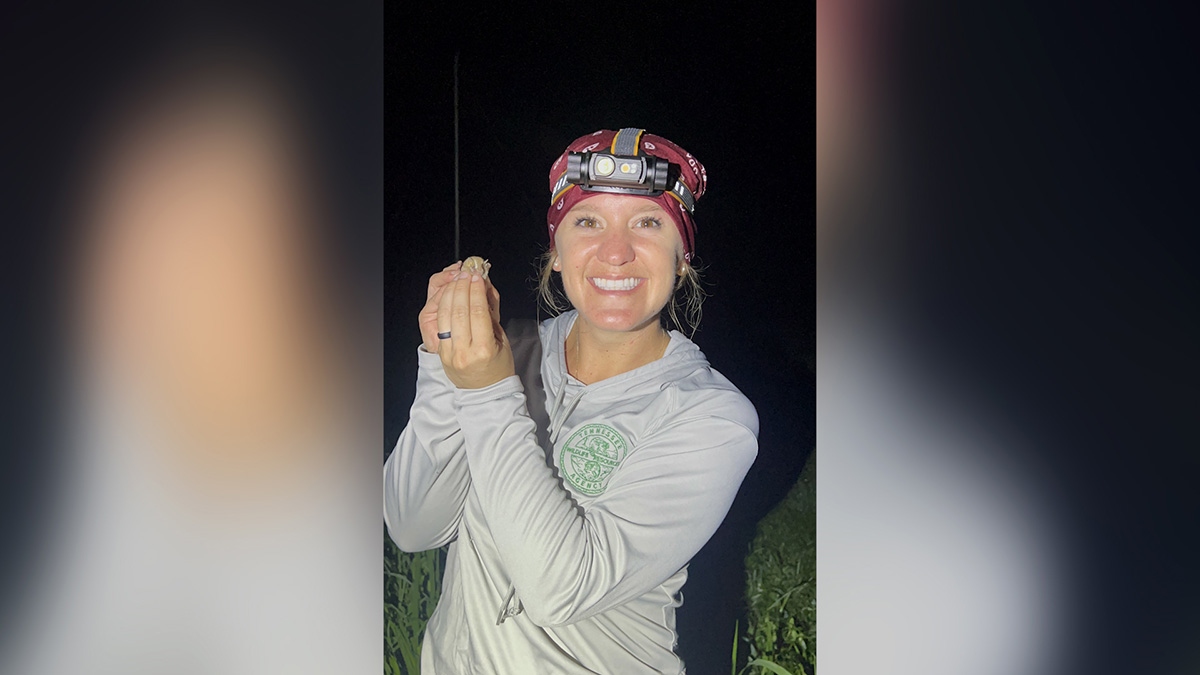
[430, 365]
[424, 356]
[503, 389]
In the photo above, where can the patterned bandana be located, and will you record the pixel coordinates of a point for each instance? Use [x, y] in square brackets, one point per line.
[691, 174]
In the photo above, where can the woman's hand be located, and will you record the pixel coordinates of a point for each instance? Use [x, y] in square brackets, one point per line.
[428, 317]
[477, 354]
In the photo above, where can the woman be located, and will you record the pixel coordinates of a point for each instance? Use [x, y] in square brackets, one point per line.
[574, 495]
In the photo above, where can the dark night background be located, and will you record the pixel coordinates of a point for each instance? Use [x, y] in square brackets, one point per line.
[732, 88]
[1052, 148]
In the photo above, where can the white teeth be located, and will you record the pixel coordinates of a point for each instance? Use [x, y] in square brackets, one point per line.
[615, 284]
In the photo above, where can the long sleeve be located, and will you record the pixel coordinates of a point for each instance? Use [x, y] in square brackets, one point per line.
[663, 504]
[426, 478]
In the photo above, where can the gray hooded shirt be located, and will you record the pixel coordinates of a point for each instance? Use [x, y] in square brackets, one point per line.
[570, 510]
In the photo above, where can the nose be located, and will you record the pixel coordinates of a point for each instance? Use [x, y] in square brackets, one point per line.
[616, 247]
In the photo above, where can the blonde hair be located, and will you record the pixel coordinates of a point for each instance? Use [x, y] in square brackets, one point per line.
[688, 296]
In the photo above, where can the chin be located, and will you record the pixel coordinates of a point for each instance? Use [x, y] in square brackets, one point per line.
[616, 320]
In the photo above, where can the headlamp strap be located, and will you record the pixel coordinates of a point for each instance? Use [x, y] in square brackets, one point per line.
[627, 142]
[560, 187]
[684, 195]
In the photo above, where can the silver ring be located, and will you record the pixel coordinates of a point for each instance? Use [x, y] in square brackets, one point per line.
[444, 336]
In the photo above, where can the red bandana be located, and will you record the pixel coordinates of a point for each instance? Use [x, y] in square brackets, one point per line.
[691, 174]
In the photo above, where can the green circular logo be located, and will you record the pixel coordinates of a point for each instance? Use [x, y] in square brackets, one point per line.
[590, 456]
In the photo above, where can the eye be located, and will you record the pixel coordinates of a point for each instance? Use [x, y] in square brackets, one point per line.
[586, 221]
[654, 223]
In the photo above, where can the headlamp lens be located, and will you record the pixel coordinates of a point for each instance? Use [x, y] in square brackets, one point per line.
[604, 166]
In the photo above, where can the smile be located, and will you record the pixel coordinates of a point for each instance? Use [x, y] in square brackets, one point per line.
[626, 284]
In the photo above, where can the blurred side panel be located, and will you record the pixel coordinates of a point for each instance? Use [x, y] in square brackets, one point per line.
[1006, 338]
[194, 282]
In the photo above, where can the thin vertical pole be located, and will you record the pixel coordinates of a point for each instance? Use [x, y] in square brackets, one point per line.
[457, 256]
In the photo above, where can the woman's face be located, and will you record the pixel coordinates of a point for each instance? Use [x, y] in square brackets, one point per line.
[618, 256]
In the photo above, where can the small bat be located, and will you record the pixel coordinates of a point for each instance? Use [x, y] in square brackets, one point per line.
[476, 265]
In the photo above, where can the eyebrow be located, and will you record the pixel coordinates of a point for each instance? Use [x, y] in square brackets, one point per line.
[655, 209]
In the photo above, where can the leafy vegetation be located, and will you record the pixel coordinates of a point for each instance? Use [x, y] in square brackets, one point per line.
[761, 664]
[411, 586]
[781, 584]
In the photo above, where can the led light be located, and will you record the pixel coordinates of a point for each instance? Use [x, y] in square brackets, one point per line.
[604, 166]
[626, 168]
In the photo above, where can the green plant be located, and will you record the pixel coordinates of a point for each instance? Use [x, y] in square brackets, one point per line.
[412, 583]
[761, 664]
[781, 583]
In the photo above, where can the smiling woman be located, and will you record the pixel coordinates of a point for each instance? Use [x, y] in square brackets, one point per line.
[644, 216]
[618, 265]
[574, 471]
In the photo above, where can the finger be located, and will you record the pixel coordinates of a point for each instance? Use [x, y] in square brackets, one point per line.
[460, 319]
[437, 280]
[444, 308]
[429, 322]
[435, 300]
[493, 301]
[441, 279]
[493, 296]
[482, 322]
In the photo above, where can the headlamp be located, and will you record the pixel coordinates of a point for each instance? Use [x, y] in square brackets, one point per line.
[623, 170]
[604, 172]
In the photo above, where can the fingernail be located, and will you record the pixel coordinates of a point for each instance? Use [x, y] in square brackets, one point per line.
[475, 277]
